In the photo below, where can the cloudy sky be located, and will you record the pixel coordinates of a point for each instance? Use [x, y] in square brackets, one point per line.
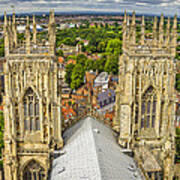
[168, 7]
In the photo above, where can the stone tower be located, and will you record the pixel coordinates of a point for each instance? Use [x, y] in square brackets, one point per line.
[32, 102]
[145, 96]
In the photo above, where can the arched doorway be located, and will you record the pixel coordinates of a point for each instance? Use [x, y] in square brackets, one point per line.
[33, 171]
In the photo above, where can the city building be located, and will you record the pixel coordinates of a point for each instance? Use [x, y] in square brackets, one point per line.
[102, 81]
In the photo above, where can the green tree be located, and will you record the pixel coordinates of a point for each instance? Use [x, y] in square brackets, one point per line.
[71, 57]
[101, 46]
[69, 70]
[60, 53]
[106, 25]
[68, 41]
[100, 64]
[77, 76]
[114, 46]
[81, 59]
[116, 25]
[111, 65]
[89, 64]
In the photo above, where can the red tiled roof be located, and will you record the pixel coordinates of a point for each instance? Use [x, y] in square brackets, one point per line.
[60, 59]
[1, 108]
[109, 115]
[71, 61]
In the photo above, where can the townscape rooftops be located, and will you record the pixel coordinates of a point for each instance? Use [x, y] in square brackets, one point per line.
[104, 95]
[91, 152]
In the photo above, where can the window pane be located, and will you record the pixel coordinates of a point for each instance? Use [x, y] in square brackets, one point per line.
[31, 109]
[154, 106]
[37, 124]
[148, 106]
[147, 121]
[143, 107]
[26, 124]
[153, 121]
[36, 109]
[136, 115]
[25, 109]
[31, 124]
[142, 122]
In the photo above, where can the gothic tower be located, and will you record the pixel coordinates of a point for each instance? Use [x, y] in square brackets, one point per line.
[32, 102]
[145, 101]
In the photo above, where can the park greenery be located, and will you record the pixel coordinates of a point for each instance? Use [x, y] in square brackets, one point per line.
[105, 41]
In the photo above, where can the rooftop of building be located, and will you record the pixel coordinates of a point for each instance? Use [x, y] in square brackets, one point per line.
[106, 94]
[101, 78]
[91, 152]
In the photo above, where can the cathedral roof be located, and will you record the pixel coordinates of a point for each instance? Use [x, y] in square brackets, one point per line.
[91, 152]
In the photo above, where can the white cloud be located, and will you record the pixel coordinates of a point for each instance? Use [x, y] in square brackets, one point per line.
[141, 6]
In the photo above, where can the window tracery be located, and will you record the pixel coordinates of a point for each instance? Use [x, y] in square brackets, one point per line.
[148, 108]
[31, 111]
[33, 171]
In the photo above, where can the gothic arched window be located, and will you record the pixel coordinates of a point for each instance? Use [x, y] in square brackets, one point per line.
[33, 171]
[148, 108]
[31, 111]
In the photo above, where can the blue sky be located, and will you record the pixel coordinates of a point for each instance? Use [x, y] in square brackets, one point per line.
[168, 7]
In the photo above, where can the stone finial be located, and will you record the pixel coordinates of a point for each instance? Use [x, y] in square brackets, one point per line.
[174, 35]
[128, 29]
[28, 36]
[168, 32]
[51, 32]
[27, 22]
[10, 23]
[34, 30]
[53, 18]
[125, 18]
[5, 19]
[10, 33]
[155, 31]
[6, 35]
[128, 21]
[14, 29]
[133, 29]
[134, 18]
[124, 29]
[142, 31]
[175, 22]
[161, 30]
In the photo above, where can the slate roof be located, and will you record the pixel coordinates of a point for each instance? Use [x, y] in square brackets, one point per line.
[92, 153]
[105, 95]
